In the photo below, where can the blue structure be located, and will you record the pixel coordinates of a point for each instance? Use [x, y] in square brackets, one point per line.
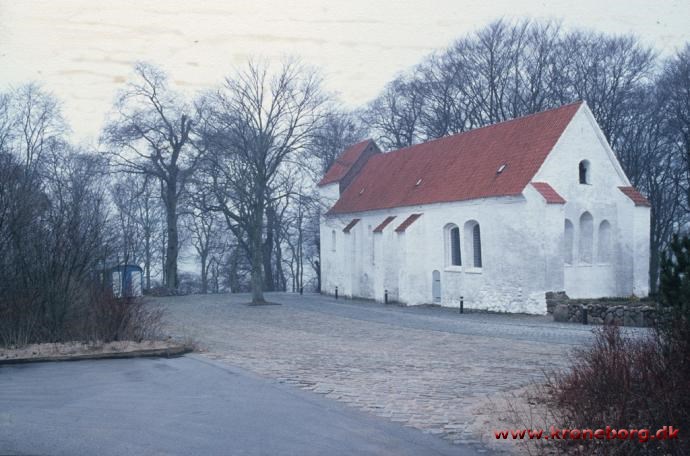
[126, 280]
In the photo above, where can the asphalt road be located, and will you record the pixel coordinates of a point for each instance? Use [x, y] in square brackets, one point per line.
[185, 406]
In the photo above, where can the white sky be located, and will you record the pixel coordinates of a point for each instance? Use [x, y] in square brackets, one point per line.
[83, 50]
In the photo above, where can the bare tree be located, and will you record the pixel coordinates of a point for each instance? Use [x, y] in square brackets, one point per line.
[607, 72]
[396, 114]
[207, 237]
[336, 131]
[256, 124]
[152, 135]
[674, 89]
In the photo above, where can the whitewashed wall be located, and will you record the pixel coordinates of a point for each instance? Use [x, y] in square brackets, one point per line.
[627, 270]
[403, 263]
[522, 240]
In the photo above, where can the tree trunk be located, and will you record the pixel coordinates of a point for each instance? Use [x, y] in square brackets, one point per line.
[269, 280]
[147, 258]
[653, 267]
[204, 275]
[171, 280]
[257, 259]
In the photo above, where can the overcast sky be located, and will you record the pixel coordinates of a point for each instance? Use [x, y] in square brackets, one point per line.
[83, 50]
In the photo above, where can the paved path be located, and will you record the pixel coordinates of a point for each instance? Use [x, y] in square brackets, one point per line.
[184, 406]
[424, 367]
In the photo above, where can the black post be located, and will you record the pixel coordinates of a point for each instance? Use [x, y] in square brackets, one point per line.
[584, 315]
[336, 292]
[462, 304]
[385, 297]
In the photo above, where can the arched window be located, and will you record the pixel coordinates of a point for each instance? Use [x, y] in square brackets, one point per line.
[586, 235]
[584, 171]
[333, 241]
[568, 238]
[453, 257]
[473, 243]
[604, 247]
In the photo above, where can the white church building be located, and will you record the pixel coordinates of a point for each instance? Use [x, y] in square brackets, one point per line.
[497, 216]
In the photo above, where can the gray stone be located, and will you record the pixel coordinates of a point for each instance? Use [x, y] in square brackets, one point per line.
[561, 313]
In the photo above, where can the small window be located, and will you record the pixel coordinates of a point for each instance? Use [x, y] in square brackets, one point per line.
[473, 243]
[453, 257]
[477, 244]
[584, 172]
[333, 241]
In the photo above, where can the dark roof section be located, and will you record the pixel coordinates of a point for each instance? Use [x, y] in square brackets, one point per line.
[350, 225]
[344, 163]
[550, 195]
[407, 222]
[382, 225]
[638, 198]
[460, 167]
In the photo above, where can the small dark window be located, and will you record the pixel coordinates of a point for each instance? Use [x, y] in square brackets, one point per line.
[455, 258]
[584, 172]
[477, 241]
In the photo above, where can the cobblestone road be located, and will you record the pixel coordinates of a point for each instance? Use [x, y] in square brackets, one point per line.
[422, 367]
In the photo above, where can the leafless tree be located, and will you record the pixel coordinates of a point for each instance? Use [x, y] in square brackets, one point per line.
[257, 123]
[207, 237]
[140, 222]
[337, 130]
[152, 134]
[396, 114]
[674, 89]
[607, 72]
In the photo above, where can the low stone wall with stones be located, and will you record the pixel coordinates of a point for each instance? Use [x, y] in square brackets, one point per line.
[601, 312]
[554, 298]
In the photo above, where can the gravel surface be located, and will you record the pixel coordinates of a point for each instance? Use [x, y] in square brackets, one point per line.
[428, 368]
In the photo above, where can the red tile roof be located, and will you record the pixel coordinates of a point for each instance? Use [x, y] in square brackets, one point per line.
[550, 195]
[638, 198]
[407, 222]
[382, 225]
[459, 167]
[350, 225]
[342, 165]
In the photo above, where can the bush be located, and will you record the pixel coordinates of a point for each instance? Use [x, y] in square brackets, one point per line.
[94, 315]
[632, 382]
[625, 382]
[115, 319]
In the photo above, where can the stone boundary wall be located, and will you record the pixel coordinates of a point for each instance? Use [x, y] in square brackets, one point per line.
[619, 312]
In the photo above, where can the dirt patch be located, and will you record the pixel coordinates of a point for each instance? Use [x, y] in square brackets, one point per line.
[82, 350]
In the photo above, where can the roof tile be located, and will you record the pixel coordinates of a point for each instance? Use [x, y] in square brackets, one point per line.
[407, 222]
[459, 167]
[342, 165]
[350, 225]
[638, 198]
[550, 195]
[384, 224]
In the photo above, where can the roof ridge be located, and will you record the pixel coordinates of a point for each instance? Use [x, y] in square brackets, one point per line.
[502, 122]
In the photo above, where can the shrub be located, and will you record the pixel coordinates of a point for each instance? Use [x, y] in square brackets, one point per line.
[115, 319]
[626, 382]
[92, 315]
[632, 381]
